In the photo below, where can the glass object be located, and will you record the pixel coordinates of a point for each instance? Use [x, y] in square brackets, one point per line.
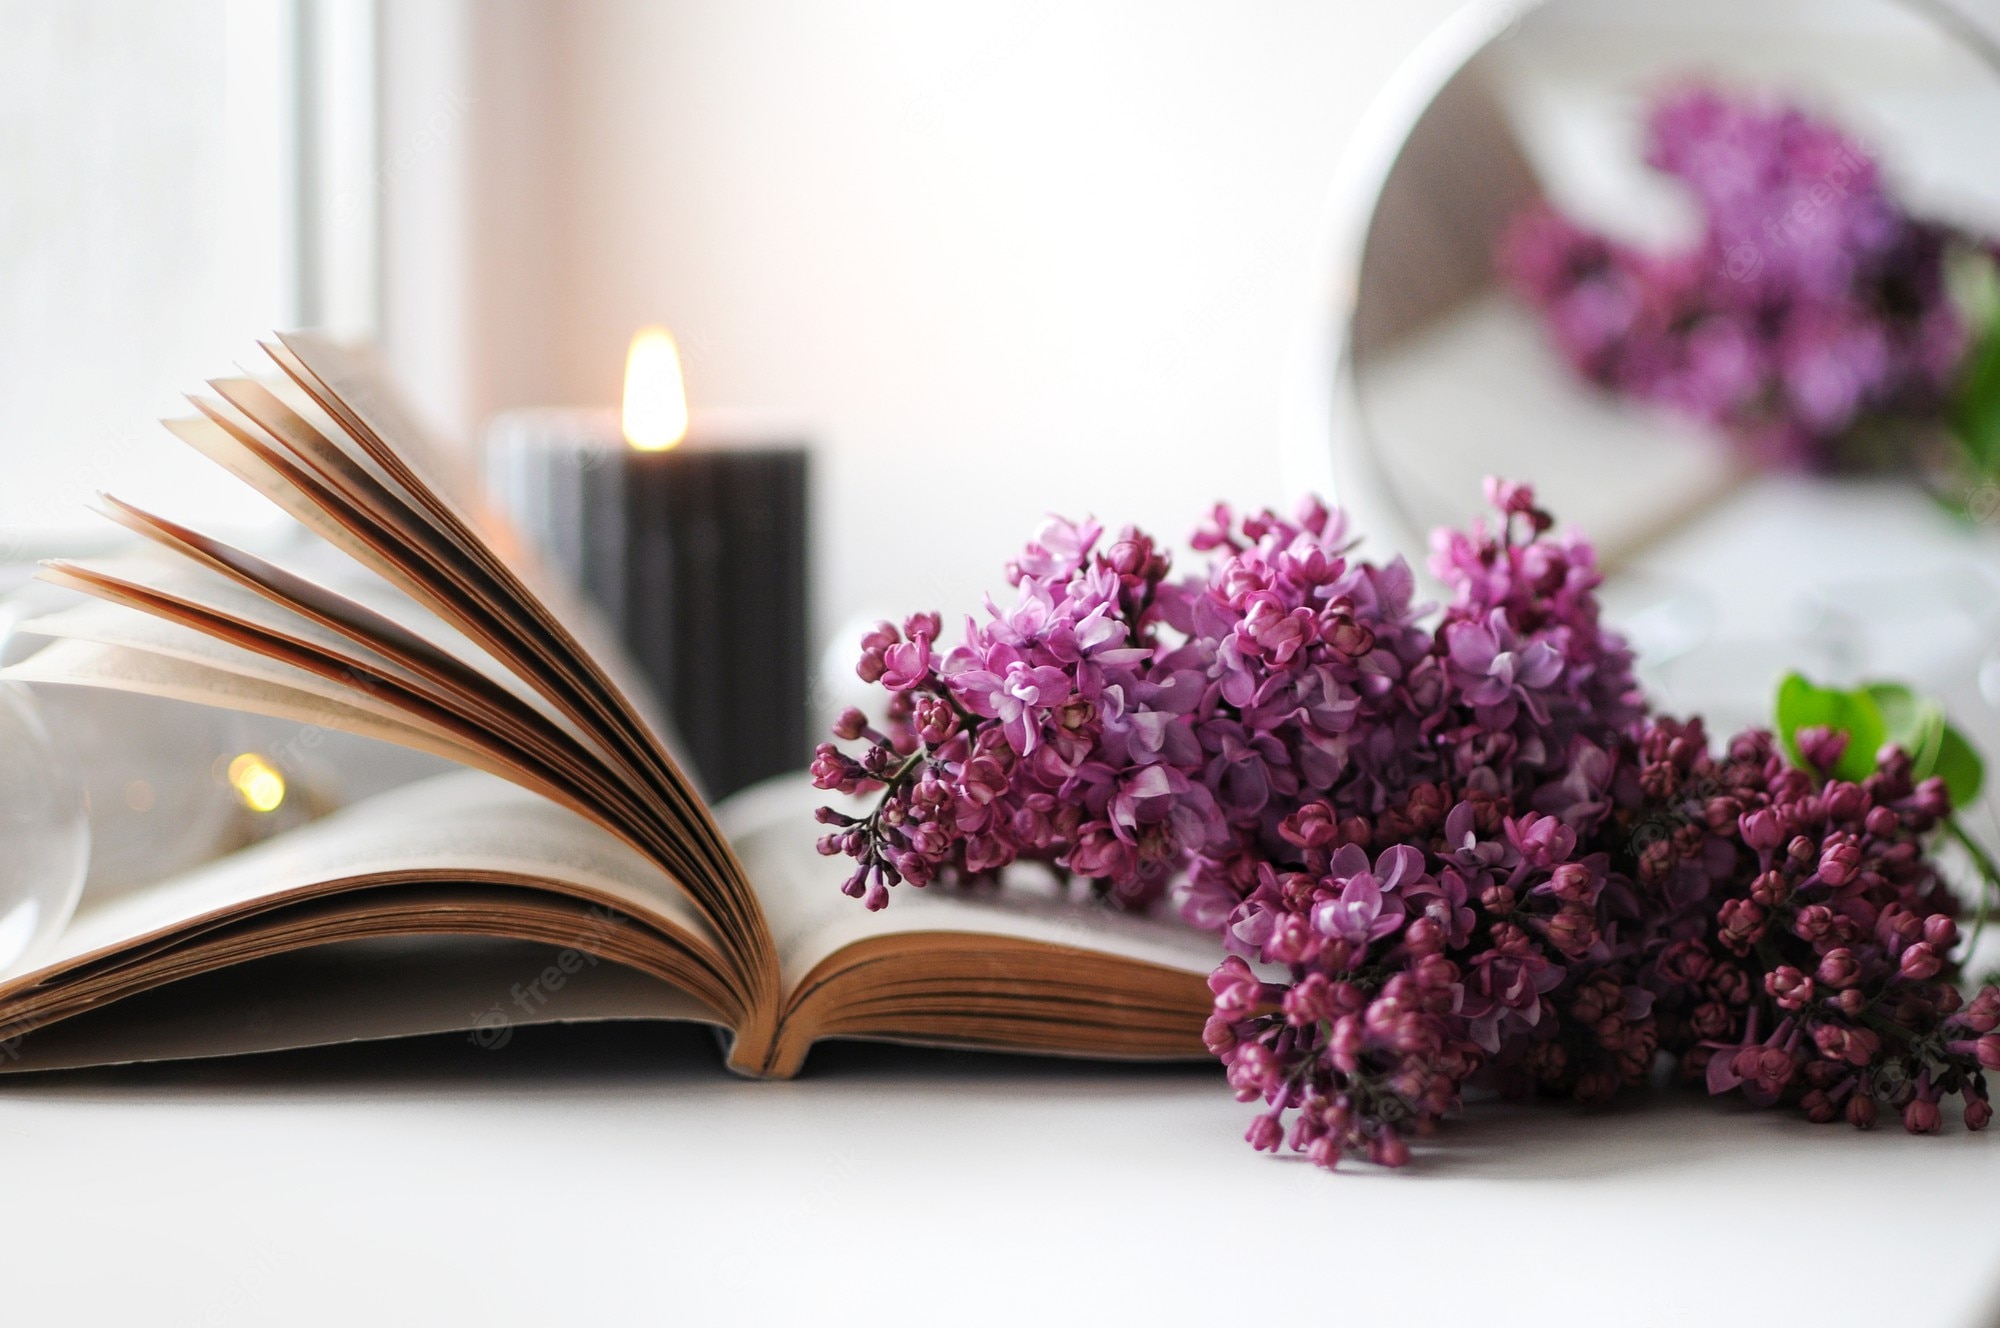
[44, 830]
[158, 801]
[170, 785]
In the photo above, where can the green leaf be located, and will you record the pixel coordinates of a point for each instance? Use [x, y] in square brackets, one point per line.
[1801, 705]
[1961, 767]
[1874, 715]
[1975, 416]
[1914, 723]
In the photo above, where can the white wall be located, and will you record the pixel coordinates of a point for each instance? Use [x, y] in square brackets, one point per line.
[1002, 258]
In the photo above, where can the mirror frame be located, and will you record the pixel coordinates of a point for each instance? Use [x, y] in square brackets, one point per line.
[1325, 447]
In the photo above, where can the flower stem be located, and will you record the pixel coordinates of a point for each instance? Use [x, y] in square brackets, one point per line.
[1989, 877]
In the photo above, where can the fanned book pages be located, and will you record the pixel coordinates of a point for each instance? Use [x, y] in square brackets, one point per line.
[571, 872]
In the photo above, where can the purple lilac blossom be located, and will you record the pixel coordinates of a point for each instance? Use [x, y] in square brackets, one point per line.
[1810, 308]
[1442, 850]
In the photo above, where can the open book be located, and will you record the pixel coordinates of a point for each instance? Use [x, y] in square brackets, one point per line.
[571, 872]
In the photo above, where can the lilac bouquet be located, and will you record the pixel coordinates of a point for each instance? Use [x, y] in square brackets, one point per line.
[1441, 849]
[1813, 319]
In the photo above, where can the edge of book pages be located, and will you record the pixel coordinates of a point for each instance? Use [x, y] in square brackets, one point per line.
[509, 893]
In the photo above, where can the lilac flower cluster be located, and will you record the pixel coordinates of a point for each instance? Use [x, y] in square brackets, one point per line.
[1821, 971]
[1810, 319]
[1060, 731]
[1439, 853]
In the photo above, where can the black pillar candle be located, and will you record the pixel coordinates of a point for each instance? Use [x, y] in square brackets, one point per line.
[696, 557]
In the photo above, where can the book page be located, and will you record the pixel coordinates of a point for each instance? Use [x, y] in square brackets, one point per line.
[94, 654]
[157, 656]
[357, 991]
[385, 660]
[772, 827]
[378, 436]
[464, 825]
[422, 539]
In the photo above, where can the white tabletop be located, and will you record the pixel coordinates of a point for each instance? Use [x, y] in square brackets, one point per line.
[618, 1174]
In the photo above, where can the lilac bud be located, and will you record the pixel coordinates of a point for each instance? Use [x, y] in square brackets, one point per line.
[1742, 923]
[1791, 989]
[930, 839]
[1747, 1062]
[1388, 1149]
[1731, 984]
[1761, 830]
[1685, 962]
[1844, 801]
[1988, 1051]
[1839, 968]
[1237, 990]
[1435, 973]
[1253, 1071]
[1822, 748]
[1861, 1111]
[1813, 922]
[1572, 931]
[1898, 928]
[1983, 1014]
[829, 768]
[1933, 799]
[1424, 937]
[1349, 637]
[1922, 1116]
[1882, 822]
[1978, 1112]
[1292, 941]
[1311, 826]
[1264, 1134]
[1770, 889]
[934, 719]
[1219, 1034]
[1310, 1001]
[1940, 932]
[1837, 1042]
[1920, 963]
[1572, 881]
[1839, 860]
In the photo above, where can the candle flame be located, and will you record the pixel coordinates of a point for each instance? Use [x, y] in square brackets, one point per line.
[656, 411]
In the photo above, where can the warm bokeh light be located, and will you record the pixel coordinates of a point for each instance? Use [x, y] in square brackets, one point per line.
[656, 412]
[260, 786]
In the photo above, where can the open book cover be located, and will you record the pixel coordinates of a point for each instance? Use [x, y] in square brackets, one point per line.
[570, 872]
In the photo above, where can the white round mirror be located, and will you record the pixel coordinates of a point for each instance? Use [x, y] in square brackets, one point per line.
[1727, 563]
